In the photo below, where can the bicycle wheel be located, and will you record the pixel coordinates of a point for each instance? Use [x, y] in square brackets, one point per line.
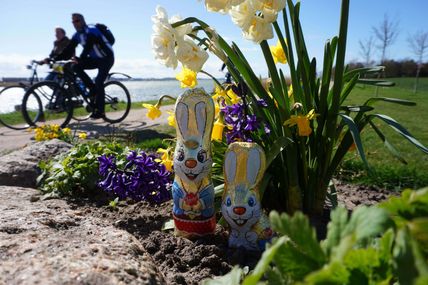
[117, 102]
[10, 107]
[55, 105]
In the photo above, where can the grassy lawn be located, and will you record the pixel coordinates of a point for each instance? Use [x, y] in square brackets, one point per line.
[388, 171]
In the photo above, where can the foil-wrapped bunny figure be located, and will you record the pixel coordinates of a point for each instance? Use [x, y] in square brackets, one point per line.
[192, 190]
[244, 166]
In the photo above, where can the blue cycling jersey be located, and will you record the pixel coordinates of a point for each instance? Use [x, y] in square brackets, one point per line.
[94, 43]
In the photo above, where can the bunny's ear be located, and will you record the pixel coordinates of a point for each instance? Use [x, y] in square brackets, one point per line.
[201, 116]
[182, 117]
[230, 166]
[253, 165]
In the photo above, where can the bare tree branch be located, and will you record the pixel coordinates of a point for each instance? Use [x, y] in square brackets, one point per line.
[418, 43]
[366, 50]
[386, 34]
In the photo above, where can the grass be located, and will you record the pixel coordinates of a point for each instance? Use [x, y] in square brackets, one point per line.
[388, 171]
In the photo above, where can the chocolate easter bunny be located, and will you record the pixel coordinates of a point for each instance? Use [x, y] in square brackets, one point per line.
[244, 166]
[193, 191]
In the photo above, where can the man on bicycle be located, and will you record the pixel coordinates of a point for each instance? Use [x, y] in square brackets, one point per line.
[97, 54]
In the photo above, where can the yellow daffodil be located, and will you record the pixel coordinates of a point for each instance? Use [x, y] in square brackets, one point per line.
[82, 136]
[216, 109]
[66, 131]
[217, 133]
[166, 158]
[219, 93]
[232, 96]
[171, 119]
[302, 122]
[278, 53]
[153, 112]
[187, 77]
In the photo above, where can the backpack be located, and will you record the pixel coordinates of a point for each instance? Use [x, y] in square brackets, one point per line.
[106, 33]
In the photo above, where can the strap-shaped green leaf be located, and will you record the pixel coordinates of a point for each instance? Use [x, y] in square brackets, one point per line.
[264, 261]
[276, 148]
[362, 71]
[376, 82]
[387, 144]
[356, 108]
[401, 130]
[356, 136]
[373, 100]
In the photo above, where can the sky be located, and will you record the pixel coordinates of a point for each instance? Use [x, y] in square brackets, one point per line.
[27, 30]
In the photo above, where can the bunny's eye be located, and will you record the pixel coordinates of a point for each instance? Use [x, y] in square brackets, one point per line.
[228, 202]
[202, 155]
[251, 201]
[180, 155]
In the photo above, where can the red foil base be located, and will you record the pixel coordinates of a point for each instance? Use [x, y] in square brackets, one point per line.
[194, 228]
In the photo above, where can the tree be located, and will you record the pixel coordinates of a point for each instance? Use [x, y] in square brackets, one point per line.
[366, 50]
[386, 34]
[418, 42]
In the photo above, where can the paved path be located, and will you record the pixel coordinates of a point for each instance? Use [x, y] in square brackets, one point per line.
[135, 121]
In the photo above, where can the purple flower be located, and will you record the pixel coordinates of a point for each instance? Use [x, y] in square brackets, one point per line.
[142, 178]
[262, 103]
[106, 163]
[251, 124]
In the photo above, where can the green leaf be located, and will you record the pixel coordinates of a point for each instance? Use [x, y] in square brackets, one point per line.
[279, 145]
[387, 144]
[363, 260]
[335, 228]
[356, 108]
[264, 261]
[231, 278]
[376, 82]
[356, 136]
[333, 273]
[303, 236]
[367, 222]
[404, 259]
[362, 71]
[401, 130]
[371, 101]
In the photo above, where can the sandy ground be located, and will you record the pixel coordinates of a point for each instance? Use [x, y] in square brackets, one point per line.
[135, 121]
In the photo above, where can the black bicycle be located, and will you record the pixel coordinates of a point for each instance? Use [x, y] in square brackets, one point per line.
[11, 100]
[57, 102]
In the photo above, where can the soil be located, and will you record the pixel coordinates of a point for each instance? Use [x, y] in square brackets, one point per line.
[184, 261]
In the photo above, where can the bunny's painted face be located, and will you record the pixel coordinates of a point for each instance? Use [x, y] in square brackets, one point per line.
[194, 114]
[241, 208]
[191, 161]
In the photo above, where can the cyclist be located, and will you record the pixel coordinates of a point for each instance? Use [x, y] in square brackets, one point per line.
[97, 53]
[60, 44]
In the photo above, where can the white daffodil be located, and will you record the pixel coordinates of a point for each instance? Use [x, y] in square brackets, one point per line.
[276, 5]
[164, 39]
[243, 14]
[221, 6]
[191, 55]
[259, 30]
[182, 30]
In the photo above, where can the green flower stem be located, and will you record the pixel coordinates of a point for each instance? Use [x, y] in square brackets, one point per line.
[159, 103]
[213, 78]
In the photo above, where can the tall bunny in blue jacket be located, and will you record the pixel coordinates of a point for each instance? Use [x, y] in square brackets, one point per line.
[193, 191]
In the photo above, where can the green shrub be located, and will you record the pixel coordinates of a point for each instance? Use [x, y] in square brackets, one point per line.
[75, 170]
[382, 244]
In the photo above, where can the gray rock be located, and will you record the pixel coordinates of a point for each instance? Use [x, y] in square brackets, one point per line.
[48, 242]
[19, 168]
